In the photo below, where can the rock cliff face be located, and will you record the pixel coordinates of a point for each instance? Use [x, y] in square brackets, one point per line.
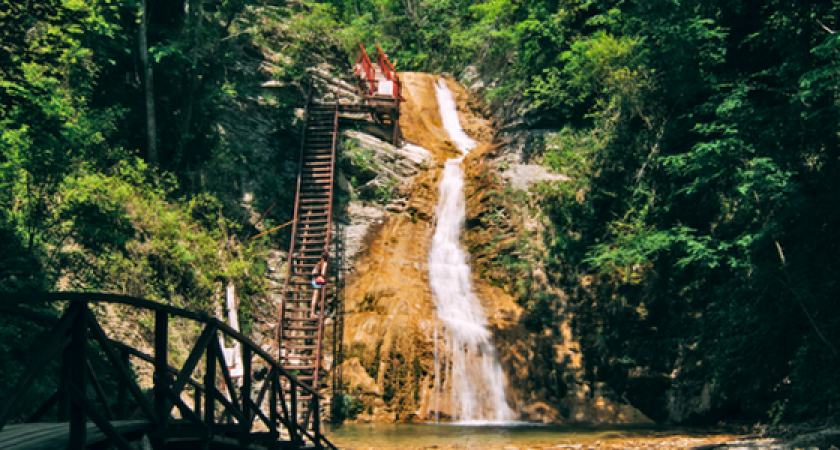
[391, 334]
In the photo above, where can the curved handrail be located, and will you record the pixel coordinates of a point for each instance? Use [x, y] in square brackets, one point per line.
[95, 297]
[78, 320]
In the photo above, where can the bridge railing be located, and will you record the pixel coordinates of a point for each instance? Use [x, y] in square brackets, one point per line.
[389, 72]
[209, 404]
[364, 69]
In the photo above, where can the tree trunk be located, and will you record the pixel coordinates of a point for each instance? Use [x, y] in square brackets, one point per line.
[195, 13]
[148, 82]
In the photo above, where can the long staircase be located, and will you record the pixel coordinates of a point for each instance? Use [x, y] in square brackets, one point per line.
[299, 333]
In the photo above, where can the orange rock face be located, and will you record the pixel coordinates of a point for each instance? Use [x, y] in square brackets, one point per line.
[391, 337]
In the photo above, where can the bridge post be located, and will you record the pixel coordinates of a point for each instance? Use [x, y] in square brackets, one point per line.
[77, 370]
[64, 385]
[210, 386]
[122, 393]
[246, 394]
[274, 390]
[316, 419]
[293, 414]
[161, 376]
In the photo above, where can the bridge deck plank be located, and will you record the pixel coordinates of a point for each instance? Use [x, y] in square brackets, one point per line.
[56, 435]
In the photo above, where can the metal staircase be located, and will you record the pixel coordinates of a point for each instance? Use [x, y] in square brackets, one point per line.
[299, 334]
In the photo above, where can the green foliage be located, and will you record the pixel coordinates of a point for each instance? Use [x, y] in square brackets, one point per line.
[692, 196]
[345, 407]
[389, 392]
[358, 159]
[385, 193]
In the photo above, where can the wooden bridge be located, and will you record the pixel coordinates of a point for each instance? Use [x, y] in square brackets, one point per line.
[96, 399]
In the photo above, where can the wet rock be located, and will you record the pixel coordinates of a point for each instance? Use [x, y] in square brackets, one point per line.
[397, 206]
[357, 378]
[523, 176]
[539, 412]
[361, 216]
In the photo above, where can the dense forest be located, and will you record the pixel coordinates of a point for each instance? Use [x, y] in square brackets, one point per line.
[700, 136]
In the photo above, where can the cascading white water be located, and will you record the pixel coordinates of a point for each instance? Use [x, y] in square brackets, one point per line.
[476, 380]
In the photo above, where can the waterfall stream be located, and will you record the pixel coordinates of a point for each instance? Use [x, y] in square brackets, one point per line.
[475, 381]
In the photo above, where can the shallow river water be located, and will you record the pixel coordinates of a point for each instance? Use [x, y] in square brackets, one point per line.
[446, 436]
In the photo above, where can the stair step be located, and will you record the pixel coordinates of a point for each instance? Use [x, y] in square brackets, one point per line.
[309, 247]
[309, 367]
[305, 378]
[289, 337]
[314, 224]
[313, 336]
[317, 243]
[301, 357]
[315, 328]
[302, 347]
[308, 252]
[304, 310]
[313, 211]
[312, 236]
[307, 266]
[319, 228]
[305, 299]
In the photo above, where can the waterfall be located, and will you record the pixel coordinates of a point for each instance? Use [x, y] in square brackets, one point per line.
[475, 378]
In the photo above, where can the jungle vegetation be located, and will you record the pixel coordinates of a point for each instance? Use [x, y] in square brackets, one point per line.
[701, 137]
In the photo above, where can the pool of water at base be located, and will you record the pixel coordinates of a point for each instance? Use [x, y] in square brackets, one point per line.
[419, 436]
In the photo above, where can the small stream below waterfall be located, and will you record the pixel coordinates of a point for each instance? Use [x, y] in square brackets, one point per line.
[519, 436]
[474, 382]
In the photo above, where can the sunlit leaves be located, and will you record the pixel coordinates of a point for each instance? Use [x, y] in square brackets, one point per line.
[603, 71]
